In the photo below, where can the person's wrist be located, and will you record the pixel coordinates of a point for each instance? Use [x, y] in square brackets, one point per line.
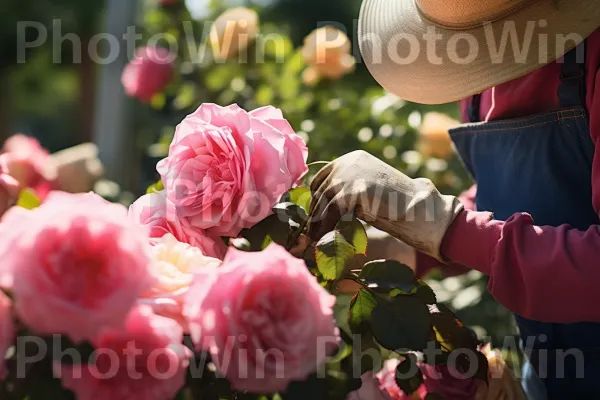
[470, 240]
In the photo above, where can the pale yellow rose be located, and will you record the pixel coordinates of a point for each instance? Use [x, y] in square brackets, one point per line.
[327, 52]
[434, 140]
[173, 266]
[233, 31]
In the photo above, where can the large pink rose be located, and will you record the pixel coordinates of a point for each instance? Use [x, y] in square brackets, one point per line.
[7, 330]
[144, 361]
[76, 264]
[264, 318]
[226, 167]
[148, 73]
[157, 213]
[30, 164]
[9, 187]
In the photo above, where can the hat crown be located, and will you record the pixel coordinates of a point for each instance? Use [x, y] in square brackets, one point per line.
[468, 13]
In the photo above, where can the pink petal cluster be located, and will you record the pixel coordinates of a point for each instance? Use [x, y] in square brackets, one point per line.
[148, 73]
[29, 164]
[7, 330]
[439, 380]
[9, 187]
[157, 213]
[75, 264]
[226, 167]
[263, 317]
[144, 360]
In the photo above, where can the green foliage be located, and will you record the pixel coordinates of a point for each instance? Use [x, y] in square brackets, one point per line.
[408, 375]
[336, 251]
[402, 323]
[301, 196]
[333, 254]
[155, 187]
[361, 307]
[28, 199]
[282, 227]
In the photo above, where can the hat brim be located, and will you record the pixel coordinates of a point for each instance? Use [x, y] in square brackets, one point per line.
[400, 50]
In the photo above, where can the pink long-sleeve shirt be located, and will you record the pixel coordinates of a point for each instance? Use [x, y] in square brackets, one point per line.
[545, 273]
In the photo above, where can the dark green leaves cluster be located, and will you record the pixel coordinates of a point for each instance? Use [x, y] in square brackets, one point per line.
[401, 313]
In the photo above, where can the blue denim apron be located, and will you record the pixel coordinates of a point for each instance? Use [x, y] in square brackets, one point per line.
[542, 165]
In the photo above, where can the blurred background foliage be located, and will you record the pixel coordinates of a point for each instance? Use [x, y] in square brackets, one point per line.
[55, 101]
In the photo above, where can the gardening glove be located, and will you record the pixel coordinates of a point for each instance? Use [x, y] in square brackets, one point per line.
[411, 210]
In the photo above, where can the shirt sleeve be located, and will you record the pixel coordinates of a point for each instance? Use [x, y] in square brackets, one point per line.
[544, 273]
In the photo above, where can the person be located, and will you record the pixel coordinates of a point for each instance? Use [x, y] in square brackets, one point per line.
[532, 147]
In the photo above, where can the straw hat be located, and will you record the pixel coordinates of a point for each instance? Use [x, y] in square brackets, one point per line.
[439, 51]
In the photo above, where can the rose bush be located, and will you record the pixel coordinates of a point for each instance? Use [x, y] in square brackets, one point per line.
[217, 250]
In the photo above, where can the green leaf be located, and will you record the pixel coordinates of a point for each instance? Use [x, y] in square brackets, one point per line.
[386, 275]
[301, 196]
[354, 232]
[158, 101]
[332, 254]
[313, 388]
[408, 375]
[425, 292]
[364, 351]
[28, 199]
[156, 187]
[449, 332]
[278, 231]
[361, 307]
[290, 212]
[402, 323]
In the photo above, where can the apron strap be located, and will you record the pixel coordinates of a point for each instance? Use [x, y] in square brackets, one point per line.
[474, 108]
[571, 91]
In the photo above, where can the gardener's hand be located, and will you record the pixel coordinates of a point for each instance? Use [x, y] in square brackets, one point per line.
[411, 210]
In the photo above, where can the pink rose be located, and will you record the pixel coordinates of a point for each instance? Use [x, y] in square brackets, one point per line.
[370, 389]
[387, 382]
[29, 163]
[226, 167]
[148, 73]
[448, 383]
[7, 330]
[9, 187]
[439, 380]
[157, 213]
[173, 266]
[76, 264]
[264, 318]
[145, 361]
